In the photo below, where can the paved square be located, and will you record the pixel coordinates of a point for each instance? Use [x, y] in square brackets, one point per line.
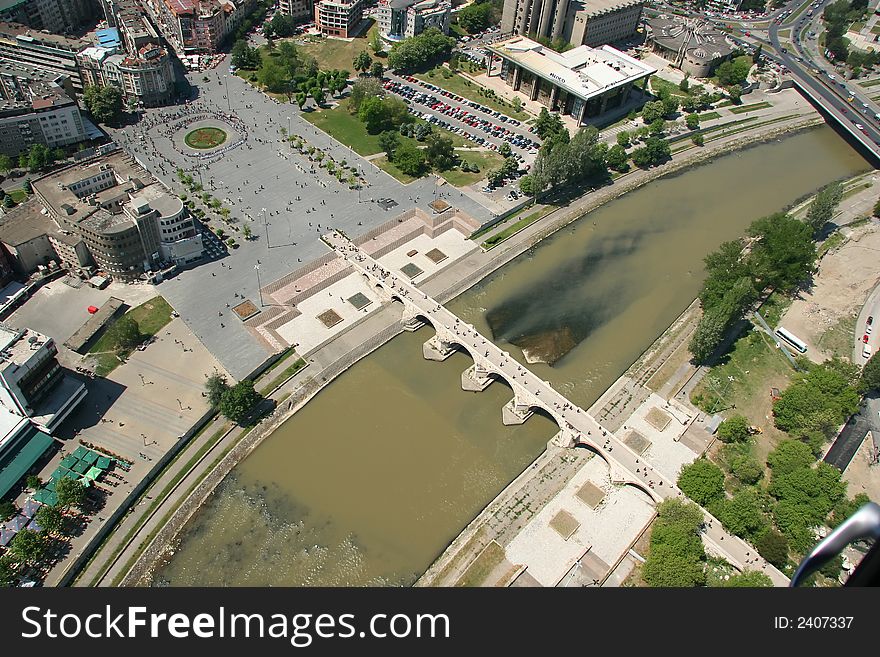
[273, 189]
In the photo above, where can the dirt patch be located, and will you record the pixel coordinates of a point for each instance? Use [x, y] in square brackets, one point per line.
[658, 419]
[846, 277]
[591, 495]
[636, 441]
[861, 476]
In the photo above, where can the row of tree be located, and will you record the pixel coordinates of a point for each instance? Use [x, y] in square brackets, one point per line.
[838, 16]
[103, 103]
[779, 254]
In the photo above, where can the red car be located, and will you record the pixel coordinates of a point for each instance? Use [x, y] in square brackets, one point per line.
[865, 338]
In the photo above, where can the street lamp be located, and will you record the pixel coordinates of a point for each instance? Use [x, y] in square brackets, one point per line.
[226, 89]
[266, 224]
[288, 126]
[259, 289]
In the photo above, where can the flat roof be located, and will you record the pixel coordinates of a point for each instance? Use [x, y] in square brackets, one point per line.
[702, 40]
[582, 71]
[93, 324]
[20, 344]
[25, 222]
[602, 6]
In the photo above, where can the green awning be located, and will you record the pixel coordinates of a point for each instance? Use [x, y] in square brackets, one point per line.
[68, 461]
[59, 472]
[49, 485]
[80, 452]
[46, 497]
[93, 473]
[18, 459]
[80, 467]
[90, 458]
[103, 463]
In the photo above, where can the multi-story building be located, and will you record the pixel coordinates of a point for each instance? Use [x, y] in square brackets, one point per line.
[59, 16]
[583, 82]
[300, 9]
[32, 240]
[579, 22]
[339, 18]
[36, 110]
[38, 51]
[146, 77]
[198, 27]
[400, 19]
[128, 220]
[32, 383]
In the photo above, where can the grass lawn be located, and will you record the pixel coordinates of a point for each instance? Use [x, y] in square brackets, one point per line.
[743, 381]
[467, 89]
[486, 160]
[708, 116]
[870, 83]
[659, 84]
[389, 168]
[335, 53]
[151, 317]
[497, 238]
[18, 195]
[750, 108]
[490, 558]
[855, 189]
[285, 374]
[875, 30]
[205, 138]
[347, 129]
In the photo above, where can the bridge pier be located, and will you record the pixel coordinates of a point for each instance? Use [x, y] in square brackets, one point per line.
[475, 379]
[513, 413]
[436, 349]
[412, 324]
[564, 438]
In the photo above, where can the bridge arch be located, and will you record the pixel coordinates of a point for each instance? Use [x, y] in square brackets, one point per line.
[653, 498]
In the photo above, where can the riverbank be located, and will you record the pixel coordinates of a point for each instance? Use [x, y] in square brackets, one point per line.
[459, 278]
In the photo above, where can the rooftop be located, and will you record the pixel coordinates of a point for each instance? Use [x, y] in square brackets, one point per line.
[28, 221]
[19, 345]
[699, 38]
[583, 71]
[23, 33]
[603, 6]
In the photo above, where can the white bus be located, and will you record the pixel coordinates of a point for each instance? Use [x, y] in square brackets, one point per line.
[791, 339]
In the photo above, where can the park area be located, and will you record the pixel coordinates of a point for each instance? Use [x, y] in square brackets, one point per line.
[123, 336]
[204, 138]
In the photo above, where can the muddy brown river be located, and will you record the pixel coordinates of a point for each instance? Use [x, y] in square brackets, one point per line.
[372, 479]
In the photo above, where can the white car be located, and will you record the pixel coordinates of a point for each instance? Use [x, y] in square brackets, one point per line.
[866, 351]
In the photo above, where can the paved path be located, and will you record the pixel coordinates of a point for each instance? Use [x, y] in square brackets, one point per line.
[530, 391]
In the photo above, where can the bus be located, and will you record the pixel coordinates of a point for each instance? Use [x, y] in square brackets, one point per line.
[791, 339]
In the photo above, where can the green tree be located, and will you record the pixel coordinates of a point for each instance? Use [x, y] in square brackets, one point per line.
[818, 401]
[33, 482]
[652, 111]
[740, 460]
[419, 51]
[734, 429]
[301, 98]
[28, 546]
[526, 185]
[742, 514]
[216, 386]
[749, 579]
[375, 42]
[702, 481]
[318, 95]
[657, 128]
[697, 139]
[6, 164]
[548, 125]
[475, 17]
[409, 159]
[877, 208]
[709, 333]
[670, 106]
[70, 492]
[8, 572]
[124, 333]
[724, 268]
[8, 202]
[274, 78]
[282, 25]
[238, 401]
[692, 121]
[685, 84]
[774, 548]
[439, 152]
[244, 56]
[789, 455]
[783, 254]
[617, 158]
[103, 103]
[39, 156]
[361, 90]
[734, 71]
[823, 206]
[676, 554]
[7, 510]
[388, 141]
[246, 232]
[377, 70]
[289, 58]
[623, 139]
[846, 507]
[50, 519]
[362, 61]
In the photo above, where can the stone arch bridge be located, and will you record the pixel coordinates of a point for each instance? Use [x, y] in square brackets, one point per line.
[576, 426]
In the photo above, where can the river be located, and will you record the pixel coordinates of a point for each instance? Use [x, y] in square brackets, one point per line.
[372, 479]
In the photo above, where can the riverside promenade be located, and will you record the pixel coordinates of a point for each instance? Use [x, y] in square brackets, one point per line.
[576, 425]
